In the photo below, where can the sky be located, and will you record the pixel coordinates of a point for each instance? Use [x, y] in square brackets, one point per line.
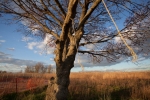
[18, 50]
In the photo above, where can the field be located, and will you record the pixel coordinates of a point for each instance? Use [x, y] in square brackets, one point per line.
[84, 86]
[110, 86]
[19, 82]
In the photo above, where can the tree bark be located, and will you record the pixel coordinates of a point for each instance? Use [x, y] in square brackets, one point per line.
[58, 87]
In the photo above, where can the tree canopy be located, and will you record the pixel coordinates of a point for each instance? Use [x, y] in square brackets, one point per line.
[65, 20]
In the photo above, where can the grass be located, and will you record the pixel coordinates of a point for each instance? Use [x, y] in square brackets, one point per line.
[36, 94]
[98, 86]
[110, 86]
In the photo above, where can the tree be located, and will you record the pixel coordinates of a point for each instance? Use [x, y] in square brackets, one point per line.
[29, 69]
[76, 23]
[49, 69]
[39, 67]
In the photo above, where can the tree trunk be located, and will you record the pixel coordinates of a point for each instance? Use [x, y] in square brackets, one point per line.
[64, 59]
[58, 87]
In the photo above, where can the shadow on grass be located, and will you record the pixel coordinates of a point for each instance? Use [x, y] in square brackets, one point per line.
[121, 94]
[36, 94]
[116, 93]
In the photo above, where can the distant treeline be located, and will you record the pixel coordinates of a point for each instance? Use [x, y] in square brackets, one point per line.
[3, 71]
[39, 68]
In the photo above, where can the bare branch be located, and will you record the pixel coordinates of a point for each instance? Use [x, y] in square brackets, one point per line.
[89, 12]
[104, 39]
[50, 13]
[60, 7]
[84, 9]
[70, 15]
[93, 53]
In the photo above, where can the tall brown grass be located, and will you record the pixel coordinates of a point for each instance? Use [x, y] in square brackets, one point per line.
[91, 85]
[110, 86]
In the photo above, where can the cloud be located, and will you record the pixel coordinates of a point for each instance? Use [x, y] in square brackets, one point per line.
[117, 40]
[43, 47]
[11, 67]
[7, 59]
[11, 49]
[31, 45]
[2, 55]
[142, 52]
[85, 61]
[26, 39]
[31, 27]
[47, 46]
[2, 41]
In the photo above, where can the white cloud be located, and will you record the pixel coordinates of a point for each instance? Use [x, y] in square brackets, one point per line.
[10, 67]
[32, 27]
[25, 38]
[85, 61]
[11, 49]
[52, 59]
[7, 59]
[2, 41]
[31, 45]
[118, 39]
[43, 47]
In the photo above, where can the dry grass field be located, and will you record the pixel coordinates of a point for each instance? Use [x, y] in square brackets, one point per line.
[90, 85]
[12, 82]
[110, 86]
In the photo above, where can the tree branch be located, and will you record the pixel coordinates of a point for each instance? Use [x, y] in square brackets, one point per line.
[30, 16]
[84, 9]
[99, 41]
[95, 54]
[89, 12]
[50, 13]
[60, 7]
[45, 27]
[70, 15]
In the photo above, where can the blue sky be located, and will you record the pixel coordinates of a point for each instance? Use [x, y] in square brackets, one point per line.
[16, 52]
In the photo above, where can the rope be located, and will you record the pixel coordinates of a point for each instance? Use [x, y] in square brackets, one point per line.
[82, 67]
[130, 49]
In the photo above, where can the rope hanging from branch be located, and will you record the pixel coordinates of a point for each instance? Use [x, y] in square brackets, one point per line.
[73, 26]
[131, 50]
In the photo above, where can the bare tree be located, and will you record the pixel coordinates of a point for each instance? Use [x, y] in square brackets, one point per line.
[39, 67]
[29, 69]
[76, 23]
[49, 69]
[43, 69]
